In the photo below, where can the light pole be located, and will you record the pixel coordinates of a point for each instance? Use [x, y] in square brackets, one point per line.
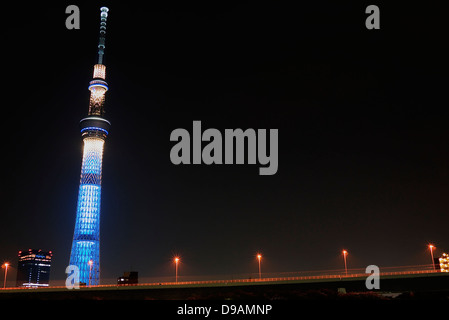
[6, 265]
[431, 247]
[259, 257]
[90, 270]
[176, 268]
[345, 253]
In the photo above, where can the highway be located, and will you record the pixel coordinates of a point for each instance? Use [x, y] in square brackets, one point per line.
[417, 278]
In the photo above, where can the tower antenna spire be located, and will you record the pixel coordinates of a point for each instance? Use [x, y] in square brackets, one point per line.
[102, 39]
[85, 252]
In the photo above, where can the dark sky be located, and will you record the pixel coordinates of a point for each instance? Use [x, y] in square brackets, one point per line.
[363, 136]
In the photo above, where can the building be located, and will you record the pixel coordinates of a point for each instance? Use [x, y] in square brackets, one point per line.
[128, 278]
[444, 262]
[85, 253]
[33, 268]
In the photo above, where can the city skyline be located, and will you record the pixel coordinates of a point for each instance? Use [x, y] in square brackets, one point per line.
[363, 155]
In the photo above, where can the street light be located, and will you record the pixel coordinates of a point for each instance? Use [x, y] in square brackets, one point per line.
[90, 270]
[176, 267]
[259, 257]
[431, 247]
[345, 253]
[6, 265]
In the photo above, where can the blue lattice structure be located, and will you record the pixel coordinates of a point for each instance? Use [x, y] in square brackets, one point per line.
[85, 252]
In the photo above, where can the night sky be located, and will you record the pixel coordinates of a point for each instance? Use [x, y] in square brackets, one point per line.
[363, 135]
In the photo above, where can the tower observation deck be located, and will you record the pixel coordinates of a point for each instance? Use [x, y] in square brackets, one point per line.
[85, 253]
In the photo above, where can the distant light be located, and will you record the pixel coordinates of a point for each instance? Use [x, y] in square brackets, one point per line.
[431, 247]
[176, 260]
[444, 263]
[345, 252]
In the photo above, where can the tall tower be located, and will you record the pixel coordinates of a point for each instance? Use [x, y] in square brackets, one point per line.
[94, 129]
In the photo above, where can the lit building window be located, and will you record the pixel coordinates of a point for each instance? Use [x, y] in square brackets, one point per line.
[444, 263]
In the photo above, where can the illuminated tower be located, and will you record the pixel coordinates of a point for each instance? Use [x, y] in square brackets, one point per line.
[94, 129]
